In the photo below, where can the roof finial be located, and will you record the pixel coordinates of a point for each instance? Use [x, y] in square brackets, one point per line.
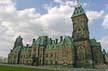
[19, 34]
[78, 3]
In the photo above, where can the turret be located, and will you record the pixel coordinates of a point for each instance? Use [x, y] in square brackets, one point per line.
[80, 24]
[18, 41]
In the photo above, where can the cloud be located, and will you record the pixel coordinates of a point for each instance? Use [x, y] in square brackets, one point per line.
[94, 15]
[29, 23]
[104, 42]
[105, 22]
[67, 2]
[14, 23]
[58, 20]
[7, 6]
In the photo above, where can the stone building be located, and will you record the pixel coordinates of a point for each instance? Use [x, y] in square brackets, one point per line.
[77, 50]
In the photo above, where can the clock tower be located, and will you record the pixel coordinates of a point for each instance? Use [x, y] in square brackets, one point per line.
[80, 35]
[80, 24]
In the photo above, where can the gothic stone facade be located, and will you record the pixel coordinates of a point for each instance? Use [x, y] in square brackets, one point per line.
[78, 50]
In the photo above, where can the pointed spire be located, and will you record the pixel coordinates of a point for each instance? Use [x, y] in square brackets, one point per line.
[78, 3]
[18, 41]
[78, 10]
[19, 33]
[104, 51]
[19, 36]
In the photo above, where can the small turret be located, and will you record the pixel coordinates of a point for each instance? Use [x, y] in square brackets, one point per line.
[61, 38]
[18, 42]
[56, 41]
[33, 41]
[104, 52]
[27, 45]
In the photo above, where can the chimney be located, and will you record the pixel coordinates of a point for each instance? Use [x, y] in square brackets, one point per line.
[61, 38]
[33, 40]
[56, 41]
[27, 45]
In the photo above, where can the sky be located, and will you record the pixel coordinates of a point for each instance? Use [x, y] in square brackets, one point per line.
[33, 18]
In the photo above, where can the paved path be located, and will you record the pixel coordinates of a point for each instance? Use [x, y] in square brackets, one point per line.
[57, 68]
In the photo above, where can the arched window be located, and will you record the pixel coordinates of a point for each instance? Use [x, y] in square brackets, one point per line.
[81, 53]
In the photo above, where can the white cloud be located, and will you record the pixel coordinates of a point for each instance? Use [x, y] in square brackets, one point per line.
[7, 6]
[67, 2]
[105, 22]
[59, 1]
[104, 42]
[29, 23]
[94, 15]
[14, 22]
[58, 20]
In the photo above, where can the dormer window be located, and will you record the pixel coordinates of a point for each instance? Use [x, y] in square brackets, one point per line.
[74, 13]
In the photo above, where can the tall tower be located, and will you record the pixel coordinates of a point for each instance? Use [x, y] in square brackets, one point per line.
[80, 35]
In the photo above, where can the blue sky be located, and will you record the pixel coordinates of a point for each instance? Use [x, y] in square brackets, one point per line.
[96, 27]
[93, 5]
[33, 18]
[21, 4]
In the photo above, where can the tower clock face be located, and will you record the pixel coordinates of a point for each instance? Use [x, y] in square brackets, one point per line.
[79, 31]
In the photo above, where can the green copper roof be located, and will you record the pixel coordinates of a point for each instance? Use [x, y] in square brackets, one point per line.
[54, 45]
[51, 46]
[68, 40]
[24, 48]
[93, 42]
[41, 40]
[19, 39]
[18, 48]
[78, 11]
[37, 41]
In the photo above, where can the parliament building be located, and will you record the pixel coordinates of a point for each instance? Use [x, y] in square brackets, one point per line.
[77, 50]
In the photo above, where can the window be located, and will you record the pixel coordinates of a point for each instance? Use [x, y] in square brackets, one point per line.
[79, 29]
[74, 12]
[81, 53]
[51, 55]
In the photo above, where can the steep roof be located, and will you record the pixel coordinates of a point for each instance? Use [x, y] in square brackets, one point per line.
[78, 11]
[54, 45]
[24, 48]
[51, 45]
[68, 40]
[93, 42]
[37, 41]
[41, 40]
[19, 39]
[18, 48]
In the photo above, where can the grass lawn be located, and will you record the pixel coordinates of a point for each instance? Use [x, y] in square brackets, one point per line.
[13, 68]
